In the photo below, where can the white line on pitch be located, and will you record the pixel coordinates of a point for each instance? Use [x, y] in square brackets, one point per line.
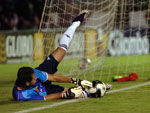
[76, 100]
[131, 87]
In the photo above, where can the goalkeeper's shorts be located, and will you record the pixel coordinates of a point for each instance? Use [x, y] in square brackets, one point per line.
[50, 89]
[49, 65]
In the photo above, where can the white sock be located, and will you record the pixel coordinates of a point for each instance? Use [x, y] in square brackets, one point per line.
[67, 36]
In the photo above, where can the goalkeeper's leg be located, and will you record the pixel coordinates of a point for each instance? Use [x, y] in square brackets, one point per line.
[66, 38]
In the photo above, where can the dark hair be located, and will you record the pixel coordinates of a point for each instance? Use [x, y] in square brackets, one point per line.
[24, 75]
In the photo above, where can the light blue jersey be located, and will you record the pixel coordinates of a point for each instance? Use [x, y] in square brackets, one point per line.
[36, 92]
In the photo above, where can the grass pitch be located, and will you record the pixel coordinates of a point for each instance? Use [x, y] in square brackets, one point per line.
[128, 101]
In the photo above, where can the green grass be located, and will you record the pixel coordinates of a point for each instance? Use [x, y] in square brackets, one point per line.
[129, 101]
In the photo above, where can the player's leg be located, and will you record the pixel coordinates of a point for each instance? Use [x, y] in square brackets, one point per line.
[51, 62]
[66, 38]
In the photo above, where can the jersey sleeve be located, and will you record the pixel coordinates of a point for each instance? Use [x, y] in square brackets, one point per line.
[37, 97]
[41, 75]
[26, 96]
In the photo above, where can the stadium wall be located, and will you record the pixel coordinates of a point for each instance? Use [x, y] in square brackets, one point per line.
[17, 47]
[27, 46]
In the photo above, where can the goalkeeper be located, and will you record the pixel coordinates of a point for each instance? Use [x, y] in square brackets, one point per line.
[35, 84]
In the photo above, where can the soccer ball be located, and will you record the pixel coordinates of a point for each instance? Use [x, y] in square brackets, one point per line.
[98, 89]
[84, 63]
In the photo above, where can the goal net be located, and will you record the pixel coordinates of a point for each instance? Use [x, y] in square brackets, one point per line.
[114, 40]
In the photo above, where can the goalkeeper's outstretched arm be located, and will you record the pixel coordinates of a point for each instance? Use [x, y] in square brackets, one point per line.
[76, 81]
[58, 78]
[53, 96]
[71, 93]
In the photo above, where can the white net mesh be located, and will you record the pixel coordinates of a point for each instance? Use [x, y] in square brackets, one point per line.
[58, 15]
[115, 37]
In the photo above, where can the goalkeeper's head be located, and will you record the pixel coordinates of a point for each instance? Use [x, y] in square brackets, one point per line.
[25, 77]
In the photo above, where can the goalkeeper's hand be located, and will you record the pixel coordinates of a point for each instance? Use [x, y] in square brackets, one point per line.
[80, 82]
[73, 92]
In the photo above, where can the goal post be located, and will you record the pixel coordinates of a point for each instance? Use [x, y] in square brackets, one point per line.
[113, 40]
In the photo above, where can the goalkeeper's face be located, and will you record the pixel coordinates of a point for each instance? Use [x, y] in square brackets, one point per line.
[33, 81]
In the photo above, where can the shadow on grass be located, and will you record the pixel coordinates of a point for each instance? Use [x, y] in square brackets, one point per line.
[6, 83]
[10, 101]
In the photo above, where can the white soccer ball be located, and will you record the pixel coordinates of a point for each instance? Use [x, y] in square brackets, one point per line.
[84, 63]
[98, 89]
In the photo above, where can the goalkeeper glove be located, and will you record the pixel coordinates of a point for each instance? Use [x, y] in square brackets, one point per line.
[80, 82]
[73, 92]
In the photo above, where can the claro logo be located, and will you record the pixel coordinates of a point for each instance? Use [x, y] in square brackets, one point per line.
[120, 45]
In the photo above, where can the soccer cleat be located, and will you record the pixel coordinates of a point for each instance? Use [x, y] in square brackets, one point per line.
[108, 87]
[83, 15]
